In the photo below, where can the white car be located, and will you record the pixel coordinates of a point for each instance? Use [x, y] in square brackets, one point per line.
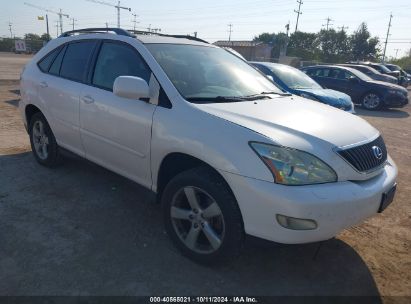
[226, 152]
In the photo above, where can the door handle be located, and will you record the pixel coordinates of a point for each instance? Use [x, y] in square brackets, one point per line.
[43, 84]
[88, 99]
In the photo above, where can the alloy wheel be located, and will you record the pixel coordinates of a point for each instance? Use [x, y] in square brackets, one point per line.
[371, 101]
[40, 140]
[197, 220]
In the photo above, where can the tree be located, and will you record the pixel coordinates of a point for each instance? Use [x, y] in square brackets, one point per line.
[278, 41]
[333, 45]
[362, 45]
[303, 45]
[45, 37]
[31, 36]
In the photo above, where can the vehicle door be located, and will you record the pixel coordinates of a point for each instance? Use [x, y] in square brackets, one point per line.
[60, 91]
[115, 131]
[350, 84]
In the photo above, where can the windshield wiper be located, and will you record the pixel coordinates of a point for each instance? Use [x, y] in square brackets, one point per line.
[276, 93]
[223, 99]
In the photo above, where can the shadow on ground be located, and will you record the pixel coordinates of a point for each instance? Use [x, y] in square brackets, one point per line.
[388, 113]
[82, 230]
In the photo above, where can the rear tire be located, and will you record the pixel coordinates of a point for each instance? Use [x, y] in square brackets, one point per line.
[43, 143]
[372, 101]
[202, 217]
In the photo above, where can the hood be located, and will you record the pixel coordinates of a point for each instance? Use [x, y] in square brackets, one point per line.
[328, 96]
[388, 85]
[281, 118]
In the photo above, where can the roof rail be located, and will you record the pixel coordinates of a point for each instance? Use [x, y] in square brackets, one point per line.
[94, 30]
[168, 35]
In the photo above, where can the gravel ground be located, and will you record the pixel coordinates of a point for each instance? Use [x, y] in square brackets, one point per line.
[82, 230]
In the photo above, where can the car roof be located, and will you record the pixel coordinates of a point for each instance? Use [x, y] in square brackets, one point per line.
[330, 66]
[120, 34]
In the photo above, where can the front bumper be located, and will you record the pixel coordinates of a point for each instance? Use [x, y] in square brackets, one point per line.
[334, 206]
[396, 100]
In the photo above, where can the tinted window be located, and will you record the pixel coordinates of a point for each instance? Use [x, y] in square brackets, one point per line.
[75, 60]
[45, 63]
[322, 72]
[55, 67]
[116, 60]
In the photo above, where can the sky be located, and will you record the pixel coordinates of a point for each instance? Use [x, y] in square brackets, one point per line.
[211, 18]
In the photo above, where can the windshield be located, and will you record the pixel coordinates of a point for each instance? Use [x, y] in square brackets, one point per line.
[294, 78]
[382, 68]
[393, 67]
[206, 73]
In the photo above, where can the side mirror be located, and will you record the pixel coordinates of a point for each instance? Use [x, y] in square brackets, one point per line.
[131, 87]
[353, 80]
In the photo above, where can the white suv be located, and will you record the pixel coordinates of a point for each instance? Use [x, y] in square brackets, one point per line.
[226, 152]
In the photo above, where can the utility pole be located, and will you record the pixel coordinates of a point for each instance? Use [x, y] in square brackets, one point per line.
[230, 31]
[386, 39]
[396, 53]
[300, 2]
[328, 23]
[106, 24]
[287, 27]
[149, 28]
[135, 21]
[343, 28]
[10, 29]
[195, 34]
[57, 28]
[73, 22]
[47, 23]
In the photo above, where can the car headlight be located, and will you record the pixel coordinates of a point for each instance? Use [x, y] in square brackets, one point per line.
[294, 167]
[308, 96]
[395, 92]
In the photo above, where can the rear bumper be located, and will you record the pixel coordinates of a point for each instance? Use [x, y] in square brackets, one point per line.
[333, 206]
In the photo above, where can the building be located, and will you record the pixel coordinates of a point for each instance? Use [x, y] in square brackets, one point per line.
[251, 50]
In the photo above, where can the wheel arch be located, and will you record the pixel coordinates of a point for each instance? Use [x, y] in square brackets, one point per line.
[177, 162]
[29, 111]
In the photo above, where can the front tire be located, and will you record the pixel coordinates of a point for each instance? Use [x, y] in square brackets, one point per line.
[372, 101]
[202, 217]
[42, 140]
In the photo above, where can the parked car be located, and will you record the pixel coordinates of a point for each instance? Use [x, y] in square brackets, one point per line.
[226, 152]
[380, 68]
[296, 82]
[403, 74]
[372, 73]
[371, 94]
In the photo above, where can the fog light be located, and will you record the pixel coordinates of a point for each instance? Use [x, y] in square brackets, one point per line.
[296, 223]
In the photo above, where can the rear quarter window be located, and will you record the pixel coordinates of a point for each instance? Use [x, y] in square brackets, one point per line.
[45, 62]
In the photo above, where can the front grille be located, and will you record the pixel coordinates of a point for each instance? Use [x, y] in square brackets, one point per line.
[363, 158]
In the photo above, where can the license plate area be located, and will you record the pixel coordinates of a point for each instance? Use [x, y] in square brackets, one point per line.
[387, 198]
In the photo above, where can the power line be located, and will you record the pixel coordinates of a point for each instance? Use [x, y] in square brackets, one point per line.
[386, 39]
[300, 2]
[230, 31]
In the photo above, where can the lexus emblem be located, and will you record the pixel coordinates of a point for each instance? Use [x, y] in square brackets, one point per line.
[377, 152]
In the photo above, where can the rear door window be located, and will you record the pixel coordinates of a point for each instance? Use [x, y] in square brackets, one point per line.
[117, 59]
[76, 60]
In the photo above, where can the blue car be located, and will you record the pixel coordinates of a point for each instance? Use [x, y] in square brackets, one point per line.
[296, 82]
